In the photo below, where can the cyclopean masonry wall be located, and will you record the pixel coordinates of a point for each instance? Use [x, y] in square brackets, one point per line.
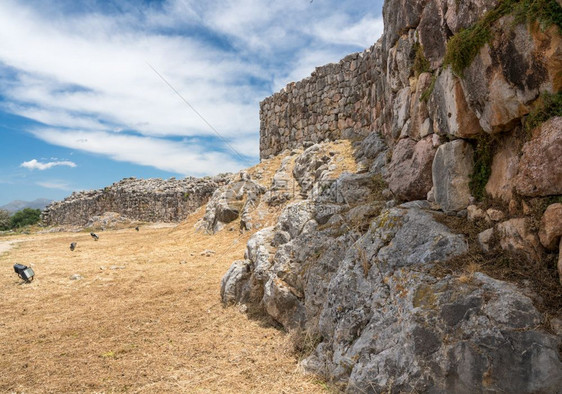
[333, 103]
[140, 199]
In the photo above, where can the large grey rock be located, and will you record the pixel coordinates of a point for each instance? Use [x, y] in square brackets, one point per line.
[230, 202]
[416, 333]
[410, 169]
[232, 283]
[451, 170]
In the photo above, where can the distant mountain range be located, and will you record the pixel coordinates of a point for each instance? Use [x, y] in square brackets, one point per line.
[18, 205]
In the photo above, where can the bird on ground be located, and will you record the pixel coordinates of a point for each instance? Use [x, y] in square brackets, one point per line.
[137, 228]
[72, 246]
[94, 236]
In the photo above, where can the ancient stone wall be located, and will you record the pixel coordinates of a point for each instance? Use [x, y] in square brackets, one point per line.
[333, 103]
[148, 200]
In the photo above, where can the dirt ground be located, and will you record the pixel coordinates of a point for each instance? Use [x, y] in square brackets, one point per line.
[146, 317]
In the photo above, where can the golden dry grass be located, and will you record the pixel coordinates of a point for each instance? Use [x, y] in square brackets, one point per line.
[151, 325]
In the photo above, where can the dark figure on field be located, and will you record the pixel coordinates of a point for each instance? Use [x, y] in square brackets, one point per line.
[94, 236]
[72, 246]
[137, 228]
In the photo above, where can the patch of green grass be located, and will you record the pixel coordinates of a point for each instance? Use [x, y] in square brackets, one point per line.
[550, 105]
[545, 12]
[483, 156]
[463, 47]
[421, 64]
[427, 92]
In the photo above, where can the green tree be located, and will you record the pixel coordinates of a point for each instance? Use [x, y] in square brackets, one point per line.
[5, 220]
[25, 217]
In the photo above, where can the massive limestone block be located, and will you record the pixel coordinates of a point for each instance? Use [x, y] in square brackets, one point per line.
[540, 167]
[507, 76]
[420, 123]
[551, 226]
[450, 111]
[504, 169]
[410, 169]
[451, 170]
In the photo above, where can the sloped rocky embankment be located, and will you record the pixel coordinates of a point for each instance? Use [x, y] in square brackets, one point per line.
[432, 267]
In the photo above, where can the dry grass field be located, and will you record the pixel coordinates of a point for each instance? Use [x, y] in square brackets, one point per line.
[145, 318]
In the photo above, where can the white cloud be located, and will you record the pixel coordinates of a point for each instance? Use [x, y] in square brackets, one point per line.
[37, 165]
[58, 185]
[86, 76]
[180, 157]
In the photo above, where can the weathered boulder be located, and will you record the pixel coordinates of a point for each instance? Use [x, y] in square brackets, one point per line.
[350, 189]
[451, 170]
[420, 124]
[233, 281]
[485, 239]
[410, 169]
[540, 168]
[515, 237]
[230, 202]
[551, 226]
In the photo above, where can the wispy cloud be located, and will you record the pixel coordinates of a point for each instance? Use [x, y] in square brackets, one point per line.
[58, 185]
[37, 165]
[84, 75]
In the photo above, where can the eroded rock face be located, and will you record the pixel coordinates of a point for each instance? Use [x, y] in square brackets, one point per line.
[507, 76]
[452, 167]
[410, 169]
[385, 319]
[540, 168]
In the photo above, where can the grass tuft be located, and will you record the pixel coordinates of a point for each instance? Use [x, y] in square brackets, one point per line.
[421, 64]
[483, 156]
[550, 105]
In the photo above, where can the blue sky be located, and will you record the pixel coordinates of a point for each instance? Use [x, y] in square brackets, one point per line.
[82, 99]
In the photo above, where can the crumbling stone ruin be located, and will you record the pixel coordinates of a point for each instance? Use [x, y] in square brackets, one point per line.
[150, 200]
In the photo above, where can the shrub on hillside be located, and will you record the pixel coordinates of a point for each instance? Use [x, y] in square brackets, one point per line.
[25, 217]
[5, 220]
